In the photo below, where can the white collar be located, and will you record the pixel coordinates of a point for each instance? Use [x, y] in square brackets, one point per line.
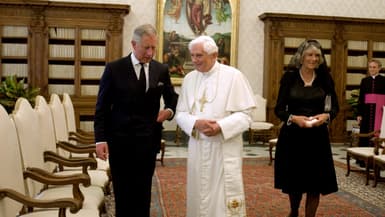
[199, 79]
[135, 61]
[210, 71]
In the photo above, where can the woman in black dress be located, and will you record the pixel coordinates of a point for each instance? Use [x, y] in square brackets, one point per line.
[307, 102]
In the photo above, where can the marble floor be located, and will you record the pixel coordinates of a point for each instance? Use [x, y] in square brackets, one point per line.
[250, 151]
[259, 149]
[354, 183]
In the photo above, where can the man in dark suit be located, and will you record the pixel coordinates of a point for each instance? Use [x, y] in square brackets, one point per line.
[128, 121]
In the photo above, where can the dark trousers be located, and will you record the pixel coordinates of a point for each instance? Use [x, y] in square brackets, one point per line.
[132, 163]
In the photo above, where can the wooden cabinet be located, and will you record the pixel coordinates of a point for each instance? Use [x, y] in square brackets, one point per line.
[61, 47]
[14, 49]
[348, 43]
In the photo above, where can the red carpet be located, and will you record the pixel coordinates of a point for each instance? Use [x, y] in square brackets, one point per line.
[262, 200]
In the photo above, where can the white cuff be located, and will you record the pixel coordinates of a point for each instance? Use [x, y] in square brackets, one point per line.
[289, 122]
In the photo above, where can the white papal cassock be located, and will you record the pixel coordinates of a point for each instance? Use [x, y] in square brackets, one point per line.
[214, 167]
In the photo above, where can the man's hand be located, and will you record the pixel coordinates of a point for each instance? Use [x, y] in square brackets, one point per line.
[359, 119]
[207, 127]
[102, 151]
[163, 115]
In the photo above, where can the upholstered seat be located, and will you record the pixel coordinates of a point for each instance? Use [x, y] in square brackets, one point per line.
[49, 141]
[261, 125]
[75, 132]
[62, 130]
[33, 155]
[259, 128]
[365, 154]
[379, 160]
[51, 213]
[12, 182]
[273, 141]
[378, 165]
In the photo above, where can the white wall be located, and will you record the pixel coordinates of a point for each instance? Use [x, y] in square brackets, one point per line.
[251, 30]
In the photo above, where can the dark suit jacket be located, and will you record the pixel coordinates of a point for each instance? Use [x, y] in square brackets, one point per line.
[121, 109]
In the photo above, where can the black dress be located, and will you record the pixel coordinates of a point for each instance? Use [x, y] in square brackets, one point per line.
[303, 159]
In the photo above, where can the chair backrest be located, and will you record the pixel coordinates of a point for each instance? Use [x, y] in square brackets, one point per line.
[59, 118]
[29, 135]
[11, 167]
[59, 122]
[259, 114]
[382, 132]
[47, 131]
[69, 112]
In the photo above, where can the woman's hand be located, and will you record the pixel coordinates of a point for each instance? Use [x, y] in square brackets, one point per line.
[322, 119]
[302, 121]
[308, 122]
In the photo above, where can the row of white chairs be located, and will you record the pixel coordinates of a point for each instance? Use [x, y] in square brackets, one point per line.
[40, 175]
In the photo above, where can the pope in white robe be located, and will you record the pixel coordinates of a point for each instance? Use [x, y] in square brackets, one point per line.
[214, 110]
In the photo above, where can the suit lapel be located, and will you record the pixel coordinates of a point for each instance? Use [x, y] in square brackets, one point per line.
[153, 75]
[129, 64]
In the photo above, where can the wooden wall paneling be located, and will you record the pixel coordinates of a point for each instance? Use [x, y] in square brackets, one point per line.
[42, 16]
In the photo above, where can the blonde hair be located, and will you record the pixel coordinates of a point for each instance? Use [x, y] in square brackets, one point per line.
[296, 60]
[376, 61]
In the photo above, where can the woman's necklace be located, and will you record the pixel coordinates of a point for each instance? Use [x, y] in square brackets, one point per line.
[307, 83]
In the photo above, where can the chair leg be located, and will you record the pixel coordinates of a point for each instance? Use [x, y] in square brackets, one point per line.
[367, 172]
[347, 164]
[163, 149]
[177, 135]
[271, 146]
[250, 137]
[376, 174]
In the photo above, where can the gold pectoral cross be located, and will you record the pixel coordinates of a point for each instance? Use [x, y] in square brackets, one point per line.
[203, 100]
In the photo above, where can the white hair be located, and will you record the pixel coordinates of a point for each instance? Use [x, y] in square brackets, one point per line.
[209, 45]
[140, 31]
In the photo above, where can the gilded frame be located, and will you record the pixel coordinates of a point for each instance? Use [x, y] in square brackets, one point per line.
[178, 23]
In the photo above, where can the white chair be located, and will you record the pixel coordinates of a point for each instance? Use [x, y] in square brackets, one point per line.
[379, 160]
[71, 120]
[50, 142]
[259, 127]
[14, 192]
[33, 155]
[273, 141]
[364, 154]
[12, 181]
[74, 132]
[379, 153]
